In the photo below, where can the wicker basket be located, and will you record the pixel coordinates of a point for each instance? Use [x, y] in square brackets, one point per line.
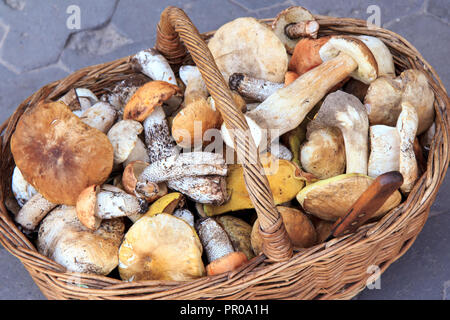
[333, 270]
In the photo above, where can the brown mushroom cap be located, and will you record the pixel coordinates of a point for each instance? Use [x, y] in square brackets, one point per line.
[287, 17]
[58, 154]
[146, 98]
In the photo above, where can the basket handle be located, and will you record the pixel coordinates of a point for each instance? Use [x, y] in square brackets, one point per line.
[175, 24]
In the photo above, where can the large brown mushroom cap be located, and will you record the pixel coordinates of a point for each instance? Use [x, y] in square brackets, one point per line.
[161, 247]
[58, 154]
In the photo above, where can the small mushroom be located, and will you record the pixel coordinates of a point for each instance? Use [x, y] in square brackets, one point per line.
[124, 137]
[294, 23]
[239, 233]
[146, 190]
[407, 125]
[96, 204]
[306, 55]
[22, 190]
[197, 116]
[384, 97]
[63, 239]
[332, 198]
[323, 154]
[345, 112]
[258, 53]
[100, 116]
[161, 247]
[151, 63]
[299, 228]
[285, 109]
[384, 150]
[33, 211]
[148, 97]
[218, 247]
[58, 154]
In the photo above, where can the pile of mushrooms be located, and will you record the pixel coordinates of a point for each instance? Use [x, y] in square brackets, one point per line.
[127, 181]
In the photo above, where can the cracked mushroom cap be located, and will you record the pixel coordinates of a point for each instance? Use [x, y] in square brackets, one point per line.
[66, 241]
[161, 247]
[58, 154]
[248, 46]
[288, 17]
[147, 98]
[367, 69]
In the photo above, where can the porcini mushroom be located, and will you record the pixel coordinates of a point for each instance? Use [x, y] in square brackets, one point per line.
[253, 88]
[299, 228]
[22, 190]
[33, 211]
[100, 116]
[285, 109]
[161, 247]
[332, 198]
[248, 46]
[147, 190]
[151, 63]
[203, 189]
[384, 150]
[239, 233]
[306, 55]
[184, 214]
[96, 204]
[407, 125]
[323, 154]
[79, 99]
[382, 54]
[218, 247]
[191, 122]
[63, 239]
[124, 137]
[345, 112]
[292, 24]
[384, 97]
[58, 154]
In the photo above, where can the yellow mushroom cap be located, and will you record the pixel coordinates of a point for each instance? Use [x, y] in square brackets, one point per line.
[161, 247]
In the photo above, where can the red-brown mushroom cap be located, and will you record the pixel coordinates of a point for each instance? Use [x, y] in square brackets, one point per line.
[58, 154]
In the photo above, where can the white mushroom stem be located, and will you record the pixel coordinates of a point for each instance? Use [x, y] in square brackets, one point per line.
[158, 139]
[285, 109]
[124, 136]
[407, 125]
[253, 88]
[185, 165]
[205, 189]
[346, 113]
[112, 204]
[34, 211]
[185, 215]
[151, 63]
[384, 150]
[100, 116]
[22, 190]
[302, 29]
[215, 240]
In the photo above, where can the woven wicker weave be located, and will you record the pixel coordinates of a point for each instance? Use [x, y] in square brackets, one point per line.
[333, 270]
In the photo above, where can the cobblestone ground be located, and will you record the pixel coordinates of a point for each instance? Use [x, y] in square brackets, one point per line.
[37, 47]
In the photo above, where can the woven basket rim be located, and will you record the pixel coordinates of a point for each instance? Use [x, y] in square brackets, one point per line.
[234, 284]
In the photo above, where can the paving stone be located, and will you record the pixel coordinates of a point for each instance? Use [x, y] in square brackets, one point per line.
[255, 5]
[16, 88]
[439, 8]
[15, 282]
[15, 4]
[422, 273]
[431, 37]
[42, 24]
[389, 10]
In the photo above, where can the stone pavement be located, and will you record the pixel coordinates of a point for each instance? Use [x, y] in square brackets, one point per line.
[37, 47]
